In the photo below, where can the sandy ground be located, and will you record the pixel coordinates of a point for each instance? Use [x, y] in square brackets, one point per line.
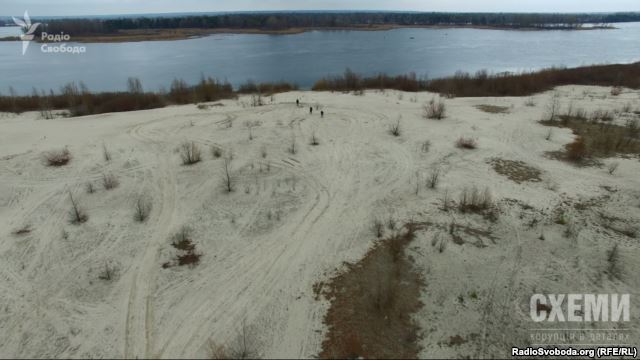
[293, 219]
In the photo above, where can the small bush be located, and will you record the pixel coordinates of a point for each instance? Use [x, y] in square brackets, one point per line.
[58, 157]
[314, 140]
[90, 188]
[435, 110]
[394, 129]
[378, 228]
[466, 143]
[425, 146]
[216, 152]
[475, 201]
[106, 154]
[108, 273]
[142, 208]
[613, 167]
[190, 153]
[190, 258]
[434, 178]
[110, 181]
[616, 90]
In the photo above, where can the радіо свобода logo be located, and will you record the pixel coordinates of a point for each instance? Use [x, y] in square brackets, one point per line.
[28, 29]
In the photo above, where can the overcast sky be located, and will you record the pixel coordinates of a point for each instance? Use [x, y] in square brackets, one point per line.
[108, 7]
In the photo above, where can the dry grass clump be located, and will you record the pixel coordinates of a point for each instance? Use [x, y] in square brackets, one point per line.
[110, 181]
[142, 208]
[78, 215]
[596, 136]
[372, 303]
[394, 129]
[517, 171]
[473, 200]
[190, 153]
[435, 109]
[184, 244]
[57, 157]
[466, 143]
[493, 109]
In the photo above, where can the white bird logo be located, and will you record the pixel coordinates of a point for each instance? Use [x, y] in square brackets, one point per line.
[27, 30]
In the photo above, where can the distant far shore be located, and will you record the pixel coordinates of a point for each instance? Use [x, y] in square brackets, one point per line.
[182, 34]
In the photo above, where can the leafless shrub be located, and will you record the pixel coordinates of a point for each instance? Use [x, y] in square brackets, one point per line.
[553, 107]
[105, 153]
[626, 108]
[190, 153]
[426, 146]
[216, 152]
[530, 102]
[434, 178]
[250, 125]
[611, 168]
[391, 223]
[263, 151]
[90, 188]
[435, 110]
[475, 201]
[229, 184]
[256, 100]
[616, 90]
[57, 157]
[394, 129]
[110, 181]
[466, 143]
[378, 228]
[78, 215]
[218, 352]
[446, 202]
[108, 273]
[142, 208]
[314, 140]
[549, 134]
[292, 146]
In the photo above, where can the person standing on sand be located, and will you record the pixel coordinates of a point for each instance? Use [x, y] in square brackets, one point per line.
[311, 110]
[322, 113]
[298, 102]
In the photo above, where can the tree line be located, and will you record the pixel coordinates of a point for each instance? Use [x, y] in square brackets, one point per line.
[283, 21]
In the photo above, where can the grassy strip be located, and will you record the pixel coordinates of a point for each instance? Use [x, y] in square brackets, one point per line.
[372, 303]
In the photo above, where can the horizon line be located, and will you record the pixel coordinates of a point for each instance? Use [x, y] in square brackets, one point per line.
[190, 13]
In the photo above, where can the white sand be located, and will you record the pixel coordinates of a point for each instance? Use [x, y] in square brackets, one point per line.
[286, 228]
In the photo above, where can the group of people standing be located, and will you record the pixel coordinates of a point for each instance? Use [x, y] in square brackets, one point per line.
[310, 108]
